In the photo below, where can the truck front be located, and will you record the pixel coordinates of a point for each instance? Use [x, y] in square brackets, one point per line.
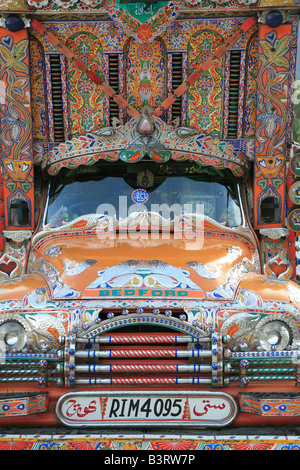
[145, 302]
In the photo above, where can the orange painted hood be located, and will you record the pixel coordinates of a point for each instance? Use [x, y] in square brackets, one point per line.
[84, 266]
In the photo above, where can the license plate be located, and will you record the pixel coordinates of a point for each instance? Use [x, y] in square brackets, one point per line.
[147, 409]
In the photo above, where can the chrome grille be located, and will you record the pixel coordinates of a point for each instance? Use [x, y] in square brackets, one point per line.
[176, 354]
[252, 366]
[147, 348]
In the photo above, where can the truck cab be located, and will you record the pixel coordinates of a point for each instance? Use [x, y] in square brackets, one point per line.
[149, 220]
[144, 301]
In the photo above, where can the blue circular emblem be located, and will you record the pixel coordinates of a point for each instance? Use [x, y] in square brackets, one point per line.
[139, 196]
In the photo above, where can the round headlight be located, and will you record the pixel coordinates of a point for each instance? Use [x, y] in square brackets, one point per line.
[12, 336]
[274, 335]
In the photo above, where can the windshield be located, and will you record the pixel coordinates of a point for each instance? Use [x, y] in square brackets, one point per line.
[119, 189]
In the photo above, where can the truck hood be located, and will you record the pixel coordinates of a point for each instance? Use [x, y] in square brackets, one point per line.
[83, 266]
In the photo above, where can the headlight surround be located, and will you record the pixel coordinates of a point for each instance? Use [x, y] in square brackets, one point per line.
[274, 335]
[12, 336]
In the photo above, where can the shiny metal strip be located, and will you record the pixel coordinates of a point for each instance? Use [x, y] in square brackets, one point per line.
[143, 339]
[142, 380]
[91, 368]
[150, 353]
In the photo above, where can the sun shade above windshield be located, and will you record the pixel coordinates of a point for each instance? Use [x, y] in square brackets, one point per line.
[159, 142]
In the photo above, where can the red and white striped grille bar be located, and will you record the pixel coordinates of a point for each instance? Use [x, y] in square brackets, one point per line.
[142, 354]
[144, 339]
[142, 380]
[145, 358]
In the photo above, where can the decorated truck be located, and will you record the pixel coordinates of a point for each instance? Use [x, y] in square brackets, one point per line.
[150, 215]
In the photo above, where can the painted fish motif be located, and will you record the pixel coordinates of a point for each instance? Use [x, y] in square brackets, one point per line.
[205, 271]
[72, 268]
[149, 273]
[46, 326]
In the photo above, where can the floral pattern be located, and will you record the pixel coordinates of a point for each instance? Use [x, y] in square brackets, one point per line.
[16, 122]
[273, 74]
[234, 442]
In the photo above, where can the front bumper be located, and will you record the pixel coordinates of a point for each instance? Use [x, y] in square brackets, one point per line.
[171, 367]
[156, 444]
[77, 409]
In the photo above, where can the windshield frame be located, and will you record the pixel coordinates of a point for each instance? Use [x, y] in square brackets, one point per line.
[237, 181]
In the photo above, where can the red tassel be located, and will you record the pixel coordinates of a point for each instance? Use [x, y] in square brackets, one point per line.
[132, 112]
[168, 102]
[206, 64]
[233, 39]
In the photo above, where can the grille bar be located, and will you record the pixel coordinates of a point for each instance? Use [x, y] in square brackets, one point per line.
[266, 370]
[266, 378]
[262, 355]
[28, 371]
[143, 339]
[133, 368]
[252, 366]
[40, 380]
[142, 380]
[151, 353]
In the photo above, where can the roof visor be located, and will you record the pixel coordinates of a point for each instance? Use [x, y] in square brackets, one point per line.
[146, 136]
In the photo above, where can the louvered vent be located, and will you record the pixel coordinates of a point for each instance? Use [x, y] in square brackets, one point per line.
[177, 79]
[234, 85]
[56, 82]
[114, 83]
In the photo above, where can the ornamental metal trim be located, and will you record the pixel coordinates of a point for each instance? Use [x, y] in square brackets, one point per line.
[203, 149]
[90, 331]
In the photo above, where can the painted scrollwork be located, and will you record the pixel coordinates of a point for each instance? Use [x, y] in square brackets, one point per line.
[10, 267]
[240, 327]
[143, 273]
[38, 332]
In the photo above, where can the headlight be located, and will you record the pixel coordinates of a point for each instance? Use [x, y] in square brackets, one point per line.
[12, 336]
[274, 335]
